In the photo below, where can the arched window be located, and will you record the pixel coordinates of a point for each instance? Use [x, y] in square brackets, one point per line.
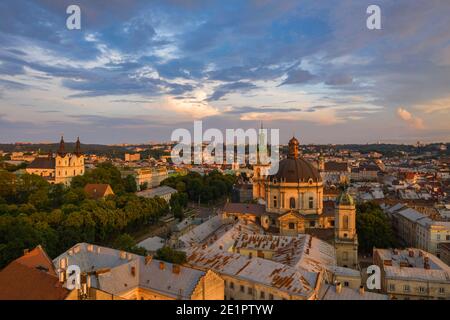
[311, 202]
[275, 202]
[292, 203]
[345, 222]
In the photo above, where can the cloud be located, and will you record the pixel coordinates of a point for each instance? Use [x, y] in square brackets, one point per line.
[298, 76]
[232, 87]
[435, 106]
[410, 119]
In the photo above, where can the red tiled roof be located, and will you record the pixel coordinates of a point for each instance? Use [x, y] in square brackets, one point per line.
[31, 277]
[96, 191]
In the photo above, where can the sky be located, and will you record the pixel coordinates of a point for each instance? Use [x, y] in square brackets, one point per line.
[137, 70]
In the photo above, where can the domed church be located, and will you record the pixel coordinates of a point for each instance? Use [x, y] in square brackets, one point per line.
[293, 196]
[290, 202]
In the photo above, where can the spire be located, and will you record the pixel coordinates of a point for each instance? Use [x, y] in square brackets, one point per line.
[61, 149]
[293, 148]
[78, 147]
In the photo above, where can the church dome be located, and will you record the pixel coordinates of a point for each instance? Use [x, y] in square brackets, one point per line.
[345, 199]
[294, 168]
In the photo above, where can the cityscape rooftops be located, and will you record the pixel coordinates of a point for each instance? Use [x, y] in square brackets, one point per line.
[412, 264]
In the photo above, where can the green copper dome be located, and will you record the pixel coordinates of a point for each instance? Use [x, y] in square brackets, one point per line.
[345, 199]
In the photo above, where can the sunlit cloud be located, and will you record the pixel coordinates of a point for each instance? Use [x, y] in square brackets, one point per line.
[410, 119]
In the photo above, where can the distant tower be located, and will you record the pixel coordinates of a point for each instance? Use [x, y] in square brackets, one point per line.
[321, 162]
[260, 169]
[345, 237]
[62, 147]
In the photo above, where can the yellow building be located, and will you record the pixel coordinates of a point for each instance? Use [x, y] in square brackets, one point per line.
[60, 168]
[293, 196]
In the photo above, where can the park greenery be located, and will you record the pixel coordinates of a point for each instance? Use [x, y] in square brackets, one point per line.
[170, 255]
[203, 189]
[33, 211]
[373, 227]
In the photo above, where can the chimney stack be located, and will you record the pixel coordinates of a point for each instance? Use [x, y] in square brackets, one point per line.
[338, 287]
[361, 290]
[62, 276]
[133, 271]
[162, 266]
[176, 268]
[25, 251]
[148, 259]
[411, 253]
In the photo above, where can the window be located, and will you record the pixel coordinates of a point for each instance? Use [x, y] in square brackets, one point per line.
[447, 237]
[242, 289]
[406, 288]
[250, 255]
[345, 222]
[262, 295]
[312, 224]
[438, 237]
[391, 287]
[441, 290]
[250, 290]
[346, 284]
[421, 289]
[311, 202]
[292, 203]
[270, 296]
[275, 202]
[291, 225]
[231, 285]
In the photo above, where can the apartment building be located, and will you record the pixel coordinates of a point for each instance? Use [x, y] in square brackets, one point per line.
[417, 230]
[412, 274]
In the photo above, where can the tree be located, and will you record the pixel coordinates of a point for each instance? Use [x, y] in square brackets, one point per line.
[126, 242]
[373, 227]
[170, 255]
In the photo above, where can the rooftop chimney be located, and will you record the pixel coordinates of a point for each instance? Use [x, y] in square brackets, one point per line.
[148, 259]
[133, 271]
[338, 287]
[162, 266]
[176, 269]
[123, 255]
[25, 251]
[361, 290]
[62, 276]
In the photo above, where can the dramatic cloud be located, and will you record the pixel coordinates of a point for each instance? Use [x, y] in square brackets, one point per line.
[412, 120]
[310, 64]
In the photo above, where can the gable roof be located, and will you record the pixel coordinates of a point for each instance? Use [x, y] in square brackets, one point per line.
[31, 277]
[97, 191]
[42, 163]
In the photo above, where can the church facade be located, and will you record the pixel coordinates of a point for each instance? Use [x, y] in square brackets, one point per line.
[59, 168]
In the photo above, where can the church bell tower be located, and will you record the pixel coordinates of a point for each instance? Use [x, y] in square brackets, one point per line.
[345, 237]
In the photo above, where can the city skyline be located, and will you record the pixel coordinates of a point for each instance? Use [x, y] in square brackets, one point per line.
[137, 71]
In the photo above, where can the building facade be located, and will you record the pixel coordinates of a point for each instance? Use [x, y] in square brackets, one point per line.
[59, 168]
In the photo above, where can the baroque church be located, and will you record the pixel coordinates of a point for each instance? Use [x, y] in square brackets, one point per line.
[61, 167]
[291, 202]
